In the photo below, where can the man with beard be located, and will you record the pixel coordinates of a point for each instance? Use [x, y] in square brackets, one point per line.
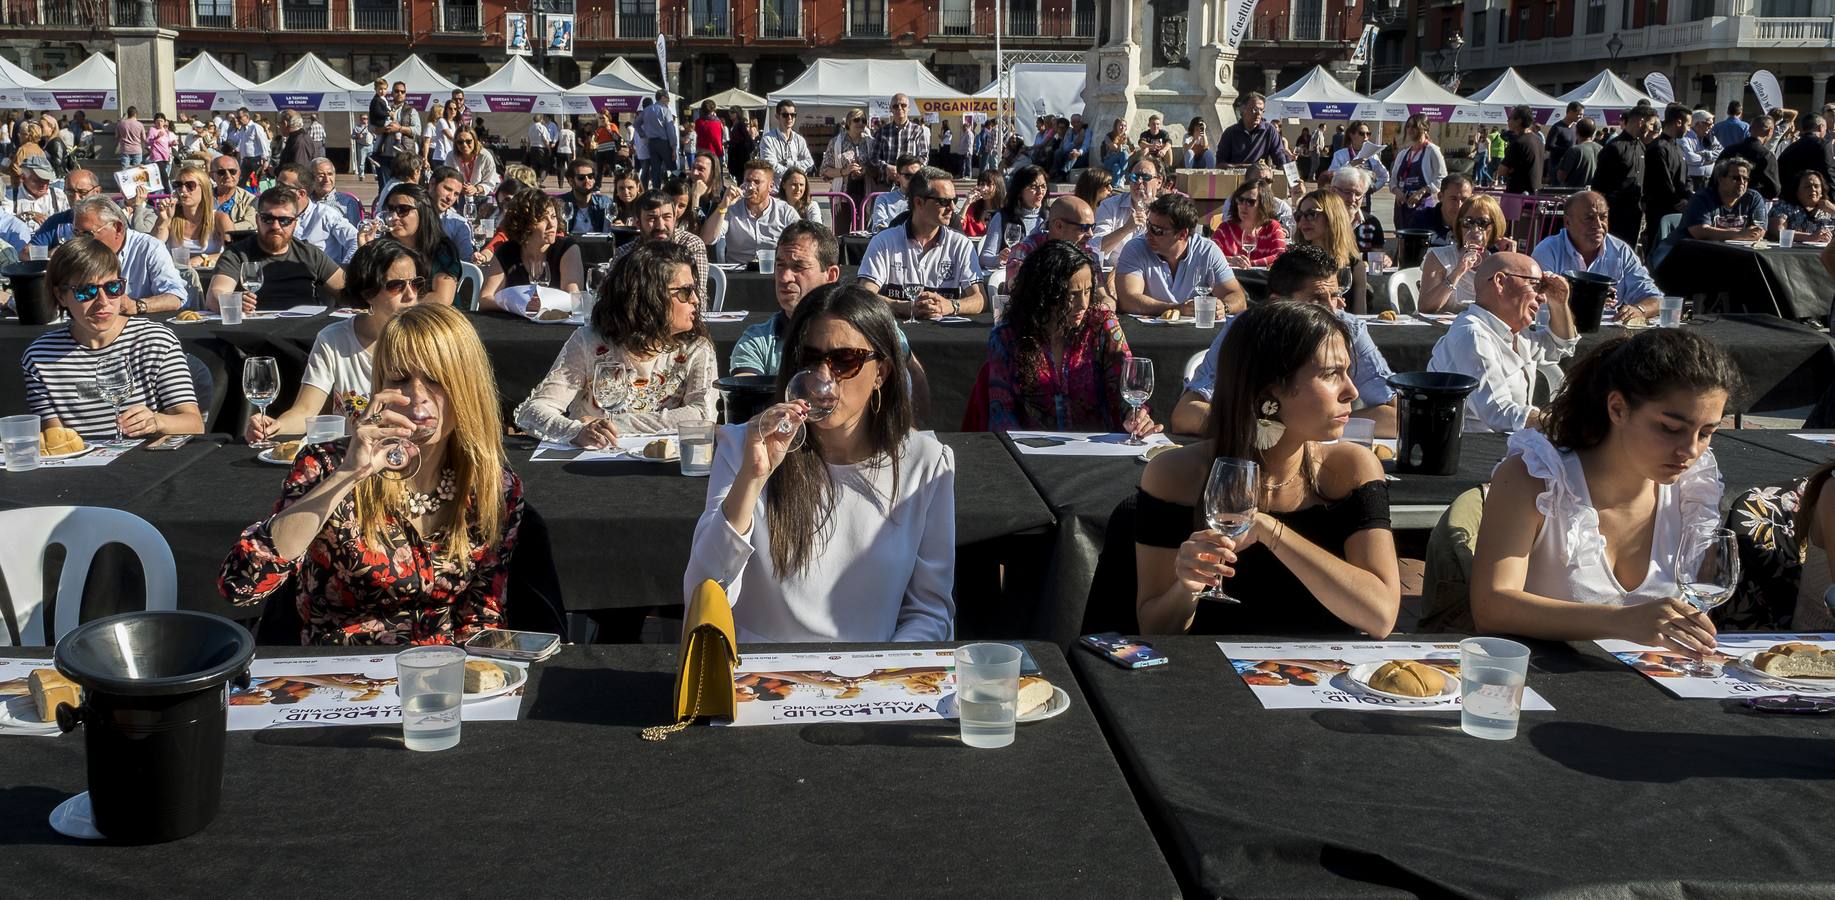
[292, 272]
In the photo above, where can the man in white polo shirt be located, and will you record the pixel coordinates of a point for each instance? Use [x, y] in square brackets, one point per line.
[924, 266]
[1160, 270]
[1495, 340]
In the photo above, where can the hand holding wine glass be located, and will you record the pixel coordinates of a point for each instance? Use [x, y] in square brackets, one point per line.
[1230, 500]
[377, 433]
[251, 285]
[1707, 572]
[1136, 388]
[814, 394]
[115, 383]
[261, 385]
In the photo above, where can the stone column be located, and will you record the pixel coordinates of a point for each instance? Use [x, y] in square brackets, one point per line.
[744, 70]
[675, 77]
[1728, 87]
[586, 69]
[1819, 91]
[1270, 78]
[145, 67]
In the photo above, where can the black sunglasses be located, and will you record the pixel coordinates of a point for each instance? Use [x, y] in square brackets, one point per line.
[83, 293]
[1082, 227]
[584, 176]
[282, 221]
[843, 362]
[1307, 215]
[224, 171]
[402, 209]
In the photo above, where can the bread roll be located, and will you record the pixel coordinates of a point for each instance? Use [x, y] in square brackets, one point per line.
[189, 315]
[1636, 321]
[1796, 660]
[1171, 315]
[287, 449]
[1034, 693]
[1382, 451]
[1408, 678]
[51, 689]
[1387, 315]
[59, 441]
[552, 314]
[661, 448]
[483, 675]
[1158, 449]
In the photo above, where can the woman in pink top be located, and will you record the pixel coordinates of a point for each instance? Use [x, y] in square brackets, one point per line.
[709, 131]
[1250, 236]
[159, 141]
[131, 138]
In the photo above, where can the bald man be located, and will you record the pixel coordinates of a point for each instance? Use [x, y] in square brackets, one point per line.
[1493, 341]
[1067, 219]
[1587, 244]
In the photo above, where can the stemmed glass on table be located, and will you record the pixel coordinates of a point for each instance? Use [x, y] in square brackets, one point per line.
[1707, 571]
[115, 384]
[251, 277]
[818, 389]
[1136, 388]
[1229, 507]
[611, 391]
[261, 385]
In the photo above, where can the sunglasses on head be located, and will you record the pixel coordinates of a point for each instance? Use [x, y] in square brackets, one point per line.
[843, 362]
[83, 293]
[396, 285]
[282, 221]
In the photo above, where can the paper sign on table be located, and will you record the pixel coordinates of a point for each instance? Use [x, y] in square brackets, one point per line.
[854, 686]
[1079, 443]
[1316, 674]
[731, 315]
[340, 690]
[98, 453]
[1664, 666]
[1815, 438]
[626, 447]
[1375, 319]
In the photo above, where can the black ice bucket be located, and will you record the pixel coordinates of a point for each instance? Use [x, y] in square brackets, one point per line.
[1586, 298]
[31, 298]
[1411, 246]
[746, 395]
[1430, 412]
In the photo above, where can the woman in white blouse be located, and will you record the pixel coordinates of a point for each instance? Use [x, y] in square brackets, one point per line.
[1447, 282]
[852, 535]
[1581, 526]
[641, 365]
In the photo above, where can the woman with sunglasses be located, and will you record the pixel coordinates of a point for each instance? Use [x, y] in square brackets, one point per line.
[1055, 360]
[476, 165]
[62, 365]
[1447, 274]
[1251, 237]
[535, 251]
[843, 526]
[793, 188]
[410, 219]
[1025, 207]
[187, 220]
[650, 351]
[1324, 221]
[384, 277]
[844, 162]
[1354, 139]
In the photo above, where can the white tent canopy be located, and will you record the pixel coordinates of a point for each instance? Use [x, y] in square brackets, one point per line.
[206, 83]
[734, 97]
[91, 85]
[622, 68]
[311, 85]
[1424, 97]
[609, 91]
[516, 87]
[425, 86]
[1319, 95]
[1607, 94]
[1511, 89]
[1039, 89]
[860, 82]
[13, 84]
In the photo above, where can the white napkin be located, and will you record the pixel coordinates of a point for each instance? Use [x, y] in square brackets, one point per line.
[531, 299]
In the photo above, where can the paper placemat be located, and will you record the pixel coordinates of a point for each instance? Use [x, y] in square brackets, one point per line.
[1073, 443]
[341, 690]
[629, 447]
[855, 686]
[1316, 675]
[98, 453]
[1664, 666]
[1814, 438]
[731, 315]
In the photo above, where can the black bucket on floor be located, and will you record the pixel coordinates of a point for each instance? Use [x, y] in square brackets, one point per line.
[1411, 246]
[746, 395]
[154, 712]
[1430, 414]
[1586, 298]
[31, 297]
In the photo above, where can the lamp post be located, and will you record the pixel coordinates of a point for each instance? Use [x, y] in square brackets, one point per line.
[1613, 46]
[1457, 43]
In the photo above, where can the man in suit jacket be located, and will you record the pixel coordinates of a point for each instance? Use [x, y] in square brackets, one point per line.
[1620, 176]
[1666, 187]
[1766, 178]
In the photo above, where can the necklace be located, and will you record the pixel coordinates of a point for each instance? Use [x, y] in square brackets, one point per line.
[1271, 488]
[420, 504]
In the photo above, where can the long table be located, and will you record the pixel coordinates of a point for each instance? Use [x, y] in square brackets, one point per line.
[1790, 283]
[568, 801]
[1623, 791]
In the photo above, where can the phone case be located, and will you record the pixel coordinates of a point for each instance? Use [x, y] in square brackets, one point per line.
[1125, 653]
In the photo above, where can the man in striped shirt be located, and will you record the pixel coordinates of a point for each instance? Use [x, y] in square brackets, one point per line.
[903, 136]
[61, 366]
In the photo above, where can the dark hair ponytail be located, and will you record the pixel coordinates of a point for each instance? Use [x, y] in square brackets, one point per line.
[1642, 368]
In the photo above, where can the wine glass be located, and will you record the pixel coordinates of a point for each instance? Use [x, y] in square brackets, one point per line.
[1248, 248]
[816, 388]
[1136, 387]
[115, 383]
[251, 277]
[261, 384]
[398, 463]
[611, 389]
[1014, 233]
[1707, 571]
[1229, 507]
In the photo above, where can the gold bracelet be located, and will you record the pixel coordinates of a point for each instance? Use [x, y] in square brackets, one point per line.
[1280, 536]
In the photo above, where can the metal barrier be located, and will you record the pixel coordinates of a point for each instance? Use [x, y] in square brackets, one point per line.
[1532, 217]
[866, 210]
[854, 211]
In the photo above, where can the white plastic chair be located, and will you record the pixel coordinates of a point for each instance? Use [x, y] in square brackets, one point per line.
[716, 288]
[82, 530]
[1191, 365]
[468, 299]
[996, 278]
[1411, 279]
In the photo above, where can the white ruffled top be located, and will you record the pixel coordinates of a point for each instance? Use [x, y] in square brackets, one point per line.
[1568, 560]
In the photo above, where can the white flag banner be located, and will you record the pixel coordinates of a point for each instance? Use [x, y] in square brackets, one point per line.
[662, 61]
[1364, 45]
[1241, 13]
[1765, 85]
[1656, 84]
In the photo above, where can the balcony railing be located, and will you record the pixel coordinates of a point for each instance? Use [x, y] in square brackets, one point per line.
[462, 18]
[624, 21]
[709, 19]
[305, 17]
[57, 13]
[1796, 30]
[1305, 25]
[213, 14]
[866, 18]
[373, 16]
[780, 20]
[1031, 22]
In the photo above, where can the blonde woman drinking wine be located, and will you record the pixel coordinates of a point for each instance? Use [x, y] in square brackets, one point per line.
[188, 221]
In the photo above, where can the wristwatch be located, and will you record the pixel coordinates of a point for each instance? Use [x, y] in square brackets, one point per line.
[955, 306]
[140, 306]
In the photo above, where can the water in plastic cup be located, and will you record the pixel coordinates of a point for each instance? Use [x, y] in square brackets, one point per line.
[1669, 312]
[1375, 260]
[431, 681]
[37, 252]
[323, 429]
[180, 257]
[1491, 676]
[229, 306]
[1786, 237]
[1204, 309]
[767, 261]
[987, 693]
[582, 302]
[697, 440]
[1360, 431]
[19, 440]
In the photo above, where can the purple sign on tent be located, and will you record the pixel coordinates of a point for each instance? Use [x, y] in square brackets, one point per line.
[195, 99]
[79, 99]
[1330, 110]
[420, 101]
[615, 104]
[297, 101]
[520, 103]
[1433, 112]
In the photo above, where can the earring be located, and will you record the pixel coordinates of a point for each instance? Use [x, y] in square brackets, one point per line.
[1268, 430]
[876, 399]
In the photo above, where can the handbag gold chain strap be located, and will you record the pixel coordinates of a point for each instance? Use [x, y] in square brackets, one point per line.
[662, 732]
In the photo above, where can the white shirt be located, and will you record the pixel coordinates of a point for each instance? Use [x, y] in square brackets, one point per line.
[1117, 212]
[251, 141]
[883, 568]
[1378, 171]
[1699, 153]
[1465, 290]
[439, 137]
[323, 225]
[53, 201]
[894, 257]
[339, 365]
[785, 151]
[1568, 559]
[538, 136]
[566, 142]
[747, 234]
[147, 267]
[1480, 345]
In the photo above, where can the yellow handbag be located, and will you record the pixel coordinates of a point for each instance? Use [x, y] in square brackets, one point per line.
[704, 684]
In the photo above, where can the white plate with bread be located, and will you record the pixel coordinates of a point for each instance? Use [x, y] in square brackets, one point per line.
[1404, 681]
[1039, 710]
[489, 678]
[1806, 667]
[19, 715]
[281, 454]
[26, 713]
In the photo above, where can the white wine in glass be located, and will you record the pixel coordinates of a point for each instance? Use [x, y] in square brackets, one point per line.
[1229, 507]
[1707, 573]
[261, 385]
[1136, 388]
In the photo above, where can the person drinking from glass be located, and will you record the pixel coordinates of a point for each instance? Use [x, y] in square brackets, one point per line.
[1447, 282]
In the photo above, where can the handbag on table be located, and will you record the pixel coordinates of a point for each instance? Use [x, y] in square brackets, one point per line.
[704, 681]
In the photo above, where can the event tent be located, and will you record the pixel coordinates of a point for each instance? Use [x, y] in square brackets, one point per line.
[425, 86]
[1320, 95]
[206, 83]
[608, 91]
[311, 85]
[516, 87]
[1041, 88]
[622, 68]
[91, 85]
[860, 82]
[1423, 96]
[14, 82]
[1511, 90]
[734, 97]
[1608, 95]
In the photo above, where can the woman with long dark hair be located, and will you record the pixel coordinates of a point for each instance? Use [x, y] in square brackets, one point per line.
[984, 202]
[1584, 517]
[410, 218]
[1025, 207]
[645, 350]
[1056, 360]
[851, 536]
[1319, 557]
[1251, 236]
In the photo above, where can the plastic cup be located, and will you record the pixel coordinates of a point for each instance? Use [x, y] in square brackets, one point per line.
[431, 681]
[1669, 312]
[1491, 676]
[1205, 311]
[1375, 260]
[1360, 431]
[1786, 238]
[987, 693]
[323, 429]
[19, 438]
[697, 439]
[229, 307]
[767, 261]
[180, 257]
[37, 252]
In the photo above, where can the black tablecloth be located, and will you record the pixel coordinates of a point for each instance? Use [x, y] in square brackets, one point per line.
[569, 801]
[1622, 791]
[751, 290]
[1811, 453]
[1790, 283]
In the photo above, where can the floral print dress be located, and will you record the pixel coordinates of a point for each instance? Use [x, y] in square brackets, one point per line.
[647, 396]
[406, 592]
[1081, 392]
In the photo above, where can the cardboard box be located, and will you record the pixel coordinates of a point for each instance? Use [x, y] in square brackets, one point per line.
[1207, 184]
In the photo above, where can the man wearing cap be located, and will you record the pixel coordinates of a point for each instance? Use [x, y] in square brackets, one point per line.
[33, 198]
